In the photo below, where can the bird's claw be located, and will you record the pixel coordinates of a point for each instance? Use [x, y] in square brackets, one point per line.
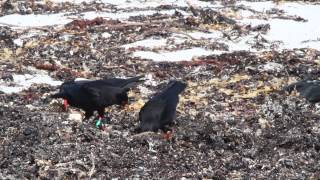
[65, 105]
[167, 135]
[100, 124]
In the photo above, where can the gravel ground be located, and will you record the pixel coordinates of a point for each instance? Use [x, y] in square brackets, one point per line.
[233, 120]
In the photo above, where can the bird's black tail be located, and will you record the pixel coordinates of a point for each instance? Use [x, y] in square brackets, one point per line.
[289, 88]
[132, 81]
[294, 86]
[58, 95]
[137, 130]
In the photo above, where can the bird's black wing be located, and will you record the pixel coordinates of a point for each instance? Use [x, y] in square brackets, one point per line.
[102, 94]
[151, 114]
[124, 83]
[312, 93]
[169, 113]
[300, 86]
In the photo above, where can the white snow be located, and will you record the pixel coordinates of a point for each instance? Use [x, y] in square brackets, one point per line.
[240, 44]
[81, 79]
[127, 4]
[259, 6]
[133, 4]
[71, 1]
[177, 55]
[180, 55]
[10, 89]
[202, 35]
[150, 42]
[18, 42]
[122, 15]
[21, 82]
[32, 20]
[291, 33]
[159, 42]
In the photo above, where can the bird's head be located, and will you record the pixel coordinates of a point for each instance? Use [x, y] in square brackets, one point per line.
[63, 93]
[64, 97]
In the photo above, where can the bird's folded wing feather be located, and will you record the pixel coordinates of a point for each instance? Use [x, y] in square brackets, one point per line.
[102, 93]
[91, 90]
[154, 108]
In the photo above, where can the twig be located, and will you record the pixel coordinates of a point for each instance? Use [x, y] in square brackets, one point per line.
[142, 134]
[92, 170]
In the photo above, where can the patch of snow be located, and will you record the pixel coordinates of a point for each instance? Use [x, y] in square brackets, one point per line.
[10, 89]
[18, 42]
[240, 45]
[71, 1]
[32, 33]
[150, 42]
[246, 13]
[259, 6]
[156, 42]
[32, 20]
[123, 15]
[130, 4]
[21, 82]
[81, 79]
[180, 55]
[293, 34]
[202, 35]
[28, 80]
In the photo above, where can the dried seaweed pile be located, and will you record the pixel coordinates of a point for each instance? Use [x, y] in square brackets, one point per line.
[233, 120]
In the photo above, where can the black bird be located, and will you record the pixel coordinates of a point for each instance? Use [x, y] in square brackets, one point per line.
[96, 95]
[309, 89]
[160, 110]
[115, 82]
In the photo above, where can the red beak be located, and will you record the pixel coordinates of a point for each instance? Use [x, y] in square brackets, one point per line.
[65, 104]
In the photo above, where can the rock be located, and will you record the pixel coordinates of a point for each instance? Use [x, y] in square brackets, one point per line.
[271, 67]
[74, 116]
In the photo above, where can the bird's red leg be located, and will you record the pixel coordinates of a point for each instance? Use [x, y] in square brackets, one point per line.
[65, 104]
[99, 123]
[168, 135]
[101, 113]
[103, 126]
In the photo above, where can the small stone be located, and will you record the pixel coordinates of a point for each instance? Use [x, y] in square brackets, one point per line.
[75, 117]
[106, 35]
